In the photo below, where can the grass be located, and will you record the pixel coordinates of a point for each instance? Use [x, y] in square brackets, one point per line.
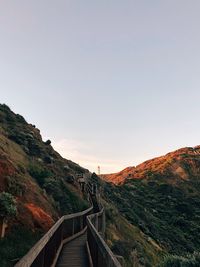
[31, 178]
[16, 244]
[128, 241]
[167, 214]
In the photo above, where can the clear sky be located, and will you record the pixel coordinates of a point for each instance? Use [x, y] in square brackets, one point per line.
[110, 82]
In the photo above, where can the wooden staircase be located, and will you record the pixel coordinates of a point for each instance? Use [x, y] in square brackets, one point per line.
[75, 240]
[74, 253]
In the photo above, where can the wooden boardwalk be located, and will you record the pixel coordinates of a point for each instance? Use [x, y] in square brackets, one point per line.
[87, 226]
[74, 253]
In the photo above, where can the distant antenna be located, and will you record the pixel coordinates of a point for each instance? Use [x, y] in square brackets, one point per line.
[99, 170]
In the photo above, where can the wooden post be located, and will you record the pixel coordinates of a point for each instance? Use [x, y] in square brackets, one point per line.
[73, 226]
[92, 189]
[96, 222]
[3, 226]
[103, 224]
[81, 223]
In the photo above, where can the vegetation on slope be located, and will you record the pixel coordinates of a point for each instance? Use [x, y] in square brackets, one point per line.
[125, 239]
[189, 260]
[154, 209]
[16, 243]
[129, 241]
[43, 184]
[180, 164]
[163, 202]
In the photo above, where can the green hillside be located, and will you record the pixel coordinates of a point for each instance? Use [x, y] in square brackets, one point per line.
[43, 185]
[164, 204]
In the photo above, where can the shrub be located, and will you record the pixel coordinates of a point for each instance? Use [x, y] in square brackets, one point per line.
[52, 186]
[122, 247]
[18, 138]
[48, 142]
[111, 214]
[39, 173]
[48, 159]
[16, 244]
[7, 205]
[15, 186]
[190, 260]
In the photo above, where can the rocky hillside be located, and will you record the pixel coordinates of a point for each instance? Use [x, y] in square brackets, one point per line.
[42, 183]
[160, 197]
[181, 164]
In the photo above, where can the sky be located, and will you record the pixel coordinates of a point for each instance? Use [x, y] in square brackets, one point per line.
[111, 83]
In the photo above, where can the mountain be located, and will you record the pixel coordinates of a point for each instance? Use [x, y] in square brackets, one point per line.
[181, 163]
[161, 198]
[152, 210]
[42, 184]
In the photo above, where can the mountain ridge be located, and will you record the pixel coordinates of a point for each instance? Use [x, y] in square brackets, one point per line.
[172, 162]
[161, 198]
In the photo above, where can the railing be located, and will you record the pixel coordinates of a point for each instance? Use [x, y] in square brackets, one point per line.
[100, 253]
[46, 250]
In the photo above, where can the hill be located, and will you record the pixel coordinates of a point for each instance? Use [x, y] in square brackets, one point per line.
[161, 198]
[152, 210]
[42, 183]
[181, 163]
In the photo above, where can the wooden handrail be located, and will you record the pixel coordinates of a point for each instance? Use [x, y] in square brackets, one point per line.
[78, 214]
[31, 256]
[45, 252]
[100, 253]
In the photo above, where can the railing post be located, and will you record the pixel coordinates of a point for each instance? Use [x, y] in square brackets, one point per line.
[40, 261]
[92, 189]
[103, 224]
[81, 222]
[62, 231]
[73, 226]
[96, 223]
[43, 257]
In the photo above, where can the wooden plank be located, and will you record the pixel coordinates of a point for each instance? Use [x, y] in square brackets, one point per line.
[29, 258]
[74, 253]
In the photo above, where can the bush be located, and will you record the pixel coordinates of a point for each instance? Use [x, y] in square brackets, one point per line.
[52, 186]
[111, 214]
[39, 173]
[68, 201]
[190, 260]
[15, 186]
[7, 205]
[122, 248]
[48, 142]
[16, 244]
[18, 138]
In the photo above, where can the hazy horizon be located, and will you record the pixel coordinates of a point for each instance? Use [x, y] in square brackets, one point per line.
[111, 83]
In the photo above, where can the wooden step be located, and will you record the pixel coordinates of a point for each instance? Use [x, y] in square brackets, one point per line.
[74, 253]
